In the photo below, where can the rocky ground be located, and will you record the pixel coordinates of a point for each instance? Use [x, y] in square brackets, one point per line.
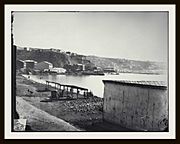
[84, 114]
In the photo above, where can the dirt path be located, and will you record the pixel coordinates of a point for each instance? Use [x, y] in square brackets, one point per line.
[39, 120]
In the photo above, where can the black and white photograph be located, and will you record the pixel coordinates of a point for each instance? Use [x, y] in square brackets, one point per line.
[88, 70]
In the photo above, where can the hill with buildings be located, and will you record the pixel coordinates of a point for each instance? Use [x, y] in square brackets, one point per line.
[60, 58]
[125, 65]
[39, 55]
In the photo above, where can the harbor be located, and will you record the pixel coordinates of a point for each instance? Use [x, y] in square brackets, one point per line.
[89, 81]
[85, 101]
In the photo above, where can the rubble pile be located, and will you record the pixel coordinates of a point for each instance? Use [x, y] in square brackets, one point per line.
[84, 105]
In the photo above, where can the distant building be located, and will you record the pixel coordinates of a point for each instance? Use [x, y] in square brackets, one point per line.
[30, 64]
[99, 68]
[75, 67]
[43, 65]
[73, 54]
[58, 70]
[80, 67]
[90, 66]
[68, 53]
[109, 70]
[19, 64]
[138, 105]
[19, 48]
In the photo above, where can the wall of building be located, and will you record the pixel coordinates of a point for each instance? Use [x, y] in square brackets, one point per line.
[43, 65]
[19, 64]
[30, 65]
[137, 108]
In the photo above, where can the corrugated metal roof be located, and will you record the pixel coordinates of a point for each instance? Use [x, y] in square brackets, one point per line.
[142, 83]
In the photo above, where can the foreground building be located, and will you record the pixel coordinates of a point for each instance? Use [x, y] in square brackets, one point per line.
[138, 105]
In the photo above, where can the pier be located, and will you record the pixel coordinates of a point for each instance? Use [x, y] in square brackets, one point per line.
[62, 91]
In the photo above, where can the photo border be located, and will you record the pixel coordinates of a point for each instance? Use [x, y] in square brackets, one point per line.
[89, 135]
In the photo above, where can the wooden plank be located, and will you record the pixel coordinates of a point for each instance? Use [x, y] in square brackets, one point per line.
[70, 86]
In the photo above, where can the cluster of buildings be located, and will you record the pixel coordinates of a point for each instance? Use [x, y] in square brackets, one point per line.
[84, 69]
[47, 67]
[34, 66]
[77, 64]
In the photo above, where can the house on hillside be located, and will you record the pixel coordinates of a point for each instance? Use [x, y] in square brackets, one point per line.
[80, 67]
[29, 64]
[41, 66]
[19, 64]
[109, 70]
[75, 67]
[138, 105]
[68, 53]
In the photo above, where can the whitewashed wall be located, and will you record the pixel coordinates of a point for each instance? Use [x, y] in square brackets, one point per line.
[137, 108]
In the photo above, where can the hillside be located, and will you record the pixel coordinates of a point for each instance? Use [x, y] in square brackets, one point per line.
[55, 56]
[125, 65]
[59, 58]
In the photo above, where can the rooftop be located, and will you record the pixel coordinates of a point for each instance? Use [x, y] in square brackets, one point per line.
[20, 60]
[30, 61]
[162, 84]
[47, 62]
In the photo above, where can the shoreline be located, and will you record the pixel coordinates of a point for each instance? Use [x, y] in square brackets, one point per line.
[80, 112]
[83, 114]
[43, 82]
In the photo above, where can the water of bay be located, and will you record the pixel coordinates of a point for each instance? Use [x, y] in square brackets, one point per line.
[94, 82]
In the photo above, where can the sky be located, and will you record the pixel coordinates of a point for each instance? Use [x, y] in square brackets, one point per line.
[130, 35]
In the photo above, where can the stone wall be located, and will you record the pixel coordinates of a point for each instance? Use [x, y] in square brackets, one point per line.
[134, 107]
